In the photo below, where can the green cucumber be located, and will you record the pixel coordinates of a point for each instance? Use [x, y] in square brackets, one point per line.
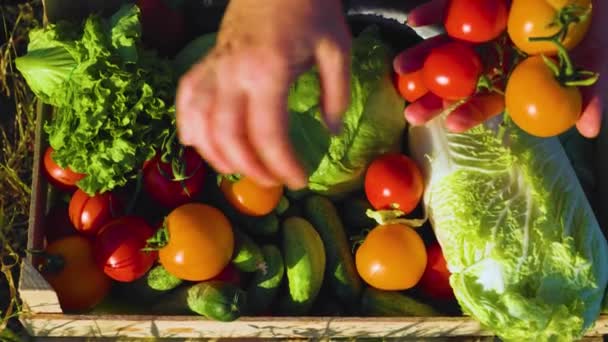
[381, 303]
[151, 286]
[217, 300]
[266, 282]
[353, 212]
[247, 254]
[340, 273]
[304, 256]
[261, 226]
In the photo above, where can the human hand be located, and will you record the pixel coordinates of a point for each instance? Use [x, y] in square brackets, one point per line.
[589, 54]
[232, 106]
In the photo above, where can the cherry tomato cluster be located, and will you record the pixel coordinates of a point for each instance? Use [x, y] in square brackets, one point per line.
[393, 256]
[95, 240]
[509, 55]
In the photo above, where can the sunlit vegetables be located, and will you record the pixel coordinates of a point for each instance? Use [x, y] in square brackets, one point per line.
[545, 18]
[538, 103]
[119, 248]
[68, 264]
[394, 181]
[63, 178]
[373, 124]
[526, 254]
[113, 99]
[249, 198]
[476, 21]
[89, 213]
[392, 257]
[196, 242]
[177, 180]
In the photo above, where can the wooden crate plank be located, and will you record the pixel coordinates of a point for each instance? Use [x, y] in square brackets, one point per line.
[56, 325]
[259, 327]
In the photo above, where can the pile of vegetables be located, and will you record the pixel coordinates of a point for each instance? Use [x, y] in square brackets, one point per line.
[398, 221]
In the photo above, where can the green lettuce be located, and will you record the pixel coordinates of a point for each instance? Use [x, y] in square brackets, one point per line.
[373, 124]
[114, 100]
[527, 256]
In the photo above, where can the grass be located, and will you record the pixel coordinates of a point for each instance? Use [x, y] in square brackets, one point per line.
[17, 123]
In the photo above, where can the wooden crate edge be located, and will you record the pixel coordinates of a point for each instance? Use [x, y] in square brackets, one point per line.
[57, 325]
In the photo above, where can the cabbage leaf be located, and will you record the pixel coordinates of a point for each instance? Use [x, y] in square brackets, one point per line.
[526, 253]
[372, 125]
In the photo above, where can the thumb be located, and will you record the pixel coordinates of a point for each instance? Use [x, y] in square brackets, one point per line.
[333, 60]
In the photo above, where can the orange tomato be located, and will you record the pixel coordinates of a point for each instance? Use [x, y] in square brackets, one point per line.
[250, 198]
[532, 18]
[201, 242]
[538, 103]
[392, 257]
[71, 271]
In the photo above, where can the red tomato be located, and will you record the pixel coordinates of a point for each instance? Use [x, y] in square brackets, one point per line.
[476, 21]
[229, 274]
[88, 214]
[164, 28]
[394, 181]
[57, 224]
[435, 281]
[70, 269]
[411, 86]
[451, 71]
[159, 180]
[118, 248]
[63, 179]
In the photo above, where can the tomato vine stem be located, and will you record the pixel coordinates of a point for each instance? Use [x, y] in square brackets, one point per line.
[566, 73]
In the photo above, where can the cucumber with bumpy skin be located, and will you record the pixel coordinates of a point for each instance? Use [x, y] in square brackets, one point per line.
[150, 287]
[213, 299]
[381, 303]
[304, 257]
[247, 254]
[341, 273]
[266, 283]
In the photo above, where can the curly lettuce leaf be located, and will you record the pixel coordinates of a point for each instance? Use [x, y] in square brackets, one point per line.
[525, 250]
[113, 100]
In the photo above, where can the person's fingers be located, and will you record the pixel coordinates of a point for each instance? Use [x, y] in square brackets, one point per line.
[429, 13]
[463, 118]
[268, 119]
[412, 59]
[475, 111]
[423, 110]
[230, 133]
[591, 119]
[195, 102]
[333, 62]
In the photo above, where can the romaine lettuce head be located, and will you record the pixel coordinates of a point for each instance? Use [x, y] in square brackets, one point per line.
[527, 257]
[373, 124]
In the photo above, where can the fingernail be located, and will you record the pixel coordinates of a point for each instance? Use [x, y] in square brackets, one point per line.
[335, 125]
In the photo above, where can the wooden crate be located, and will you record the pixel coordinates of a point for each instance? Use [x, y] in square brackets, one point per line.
[43, 316]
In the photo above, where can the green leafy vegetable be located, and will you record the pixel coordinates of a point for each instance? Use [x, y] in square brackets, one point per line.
[193, 52]
[527, 256]
[373, 123]
[113, 99]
